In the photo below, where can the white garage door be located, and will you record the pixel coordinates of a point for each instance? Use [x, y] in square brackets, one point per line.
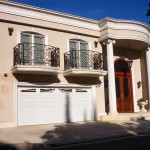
[53, 105]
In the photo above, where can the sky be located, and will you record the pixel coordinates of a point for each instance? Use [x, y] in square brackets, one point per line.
[97, 9]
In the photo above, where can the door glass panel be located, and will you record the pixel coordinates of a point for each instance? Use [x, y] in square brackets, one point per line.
[83, 55]
[73, 48]
[117, 87]
[38, 49]
[26, 52]
[121, 66]
[83, 46]
[126, 88]
[73, 45]
[38, 40]
[25, 38]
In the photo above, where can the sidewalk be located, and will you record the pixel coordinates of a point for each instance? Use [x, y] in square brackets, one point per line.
[50, 136]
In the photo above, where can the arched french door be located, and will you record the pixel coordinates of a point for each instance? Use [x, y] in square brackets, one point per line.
[123, 82]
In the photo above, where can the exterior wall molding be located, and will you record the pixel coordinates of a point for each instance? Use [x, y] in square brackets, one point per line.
[34, 31]
[123, 36]
[124, 24]
[47, 15]
[117, 24]
[102, 114]
[68, 30]
[7, 125]
[125, 58]
[22, 84]
[108, 41]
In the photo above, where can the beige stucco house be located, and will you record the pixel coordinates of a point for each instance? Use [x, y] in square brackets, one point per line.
[57, 68]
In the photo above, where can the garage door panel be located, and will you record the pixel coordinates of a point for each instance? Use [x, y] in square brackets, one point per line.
[51, 108]
[80, 107]
[46, 108]
[61, 108]
[27, 109]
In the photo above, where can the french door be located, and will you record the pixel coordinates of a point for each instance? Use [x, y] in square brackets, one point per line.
[33, 48]
[80, 53]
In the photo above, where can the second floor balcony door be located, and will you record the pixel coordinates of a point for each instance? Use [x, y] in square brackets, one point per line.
[80, 53]
[33, 48]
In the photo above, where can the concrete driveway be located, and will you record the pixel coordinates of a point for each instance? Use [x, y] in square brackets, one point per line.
[60, 134]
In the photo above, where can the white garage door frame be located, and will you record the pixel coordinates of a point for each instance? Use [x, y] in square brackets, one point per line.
[23, 84]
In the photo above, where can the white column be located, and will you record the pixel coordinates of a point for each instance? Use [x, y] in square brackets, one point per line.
[111, 78]
[148, 73]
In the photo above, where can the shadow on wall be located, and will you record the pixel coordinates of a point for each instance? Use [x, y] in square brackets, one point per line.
[37, 78]
[84, 80]
[68, 117]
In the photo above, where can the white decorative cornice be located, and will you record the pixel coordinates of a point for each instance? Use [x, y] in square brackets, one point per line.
[124, 25]
[47, 15]
[123, 36]
[121, 24]
[109, 23]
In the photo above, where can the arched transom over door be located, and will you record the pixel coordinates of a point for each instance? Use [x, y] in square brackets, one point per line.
[123, 86]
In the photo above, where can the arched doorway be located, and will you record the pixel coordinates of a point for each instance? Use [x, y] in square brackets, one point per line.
[123, 82]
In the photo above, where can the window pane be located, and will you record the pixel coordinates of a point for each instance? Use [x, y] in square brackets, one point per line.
[83, 46]
[121, 66]
[38, 40]
[26, 48]
[83, 55]
[25, 38]
[73, 48]
[73, 45]
[126, 89]
[38, 49]
[117, 87]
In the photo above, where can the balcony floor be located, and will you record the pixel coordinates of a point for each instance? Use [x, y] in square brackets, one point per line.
[84, 72]
[35, 69]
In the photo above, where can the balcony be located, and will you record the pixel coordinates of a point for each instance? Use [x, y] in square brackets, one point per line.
[33, 58]
[83, 63]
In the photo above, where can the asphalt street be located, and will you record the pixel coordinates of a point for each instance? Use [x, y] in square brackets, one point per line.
[140, 142]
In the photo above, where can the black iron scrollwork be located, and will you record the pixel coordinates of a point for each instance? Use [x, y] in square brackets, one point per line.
[83, 59]
[36, 54]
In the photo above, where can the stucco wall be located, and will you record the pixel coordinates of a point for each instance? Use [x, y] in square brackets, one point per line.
[56, 38]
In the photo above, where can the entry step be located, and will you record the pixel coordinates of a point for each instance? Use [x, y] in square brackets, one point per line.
[126, 117]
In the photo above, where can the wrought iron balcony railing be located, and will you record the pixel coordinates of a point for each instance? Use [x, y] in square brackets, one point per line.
[83, 59]
[36, 54]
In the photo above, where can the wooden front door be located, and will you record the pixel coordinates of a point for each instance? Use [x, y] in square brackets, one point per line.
[123, 87]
